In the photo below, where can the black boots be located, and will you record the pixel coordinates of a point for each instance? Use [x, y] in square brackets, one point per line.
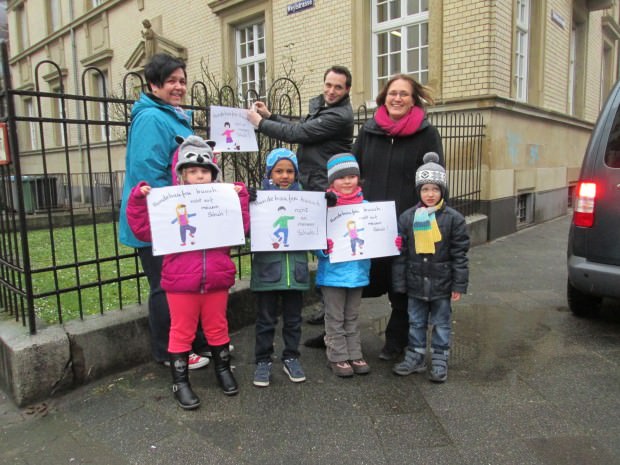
[180, 382]
[221, 364]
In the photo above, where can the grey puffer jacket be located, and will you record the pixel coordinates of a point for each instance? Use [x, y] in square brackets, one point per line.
[433, 276]
[325, 131]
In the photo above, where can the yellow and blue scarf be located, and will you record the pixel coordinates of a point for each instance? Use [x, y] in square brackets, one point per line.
[425, 229]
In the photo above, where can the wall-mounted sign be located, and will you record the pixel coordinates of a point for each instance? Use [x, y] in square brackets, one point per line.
[5, 155]
[558, 19]
[299, 6]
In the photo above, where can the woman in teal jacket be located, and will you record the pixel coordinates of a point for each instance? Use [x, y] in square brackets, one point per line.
[156, 118]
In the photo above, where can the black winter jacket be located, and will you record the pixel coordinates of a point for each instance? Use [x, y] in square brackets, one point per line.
[433, 276]
[325, 131]
[388, 164]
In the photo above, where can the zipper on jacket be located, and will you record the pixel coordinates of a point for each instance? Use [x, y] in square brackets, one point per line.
[288, 272]
[203, 282]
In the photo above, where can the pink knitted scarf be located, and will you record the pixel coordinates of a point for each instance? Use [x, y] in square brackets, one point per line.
[357, 196]
[405, 126]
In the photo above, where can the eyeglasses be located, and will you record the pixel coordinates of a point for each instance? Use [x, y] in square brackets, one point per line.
[401, 94]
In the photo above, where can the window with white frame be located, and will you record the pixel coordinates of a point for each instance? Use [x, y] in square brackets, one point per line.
[399, 40]
[99, 84]
[33, 134]
[251, 58]
[522, 48]
[22, 28]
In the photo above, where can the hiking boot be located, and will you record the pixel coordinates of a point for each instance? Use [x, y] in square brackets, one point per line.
[360, 366]
[413, 363]
[196, 361]
[316, 342]
[262, 374]
[341, 369]
[293, 369]
[439, 367]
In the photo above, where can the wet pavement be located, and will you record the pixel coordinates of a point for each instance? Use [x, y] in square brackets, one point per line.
[528, 384]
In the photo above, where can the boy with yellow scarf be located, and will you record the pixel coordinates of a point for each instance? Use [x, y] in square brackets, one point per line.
[432, 269]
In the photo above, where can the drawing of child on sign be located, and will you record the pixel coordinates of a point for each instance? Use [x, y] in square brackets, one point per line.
[228, 132]
[281, 224]
[184, 226]
[352, 231]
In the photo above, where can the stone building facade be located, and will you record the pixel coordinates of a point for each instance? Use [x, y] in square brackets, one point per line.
[537, 70]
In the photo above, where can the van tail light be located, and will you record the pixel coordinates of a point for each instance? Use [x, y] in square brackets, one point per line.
[583, 212]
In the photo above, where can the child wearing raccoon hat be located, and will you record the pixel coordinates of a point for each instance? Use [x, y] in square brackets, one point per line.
[432, 269]
[196, 282]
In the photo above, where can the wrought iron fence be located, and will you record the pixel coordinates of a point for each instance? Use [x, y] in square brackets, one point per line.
[60, 257]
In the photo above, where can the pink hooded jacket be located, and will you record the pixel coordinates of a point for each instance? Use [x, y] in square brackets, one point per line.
[199, 271]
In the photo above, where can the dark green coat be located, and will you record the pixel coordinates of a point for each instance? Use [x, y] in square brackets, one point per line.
[278, 271]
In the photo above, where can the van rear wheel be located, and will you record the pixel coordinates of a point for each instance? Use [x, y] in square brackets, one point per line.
[581, 304]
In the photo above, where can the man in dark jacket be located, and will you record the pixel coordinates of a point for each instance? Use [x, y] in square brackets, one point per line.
[325, 131]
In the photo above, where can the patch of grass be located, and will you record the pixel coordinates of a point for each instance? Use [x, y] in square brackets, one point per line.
[78, 262]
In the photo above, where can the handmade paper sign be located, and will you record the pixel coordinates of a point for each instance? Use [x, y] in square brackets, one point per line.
[364, 230]
[231, 130]
[287, 220]
[194, 217]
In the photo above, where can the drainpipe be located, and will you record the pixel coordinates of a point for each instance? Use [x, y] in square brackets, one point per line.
[74, 70]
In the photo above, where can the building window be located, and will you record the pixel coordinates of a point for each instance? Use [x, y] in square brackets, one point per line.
[525, 210]
[22, 27]
[577, 54]
[59, 134]
[399, 40]
[33, 133]
[53, 15]
[522, 48]
[251, 59]
[100, 108]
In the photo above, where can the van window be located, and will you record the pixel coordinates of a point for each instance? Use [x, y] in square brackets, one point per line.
[612, 153]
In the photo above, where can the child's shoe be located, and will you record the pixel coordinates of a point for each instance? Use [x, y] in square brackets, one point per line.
[293, 369]
[341, 369]
[439, 367]
[262, 374]
[413, 363]
[197, 361]
[360, 366]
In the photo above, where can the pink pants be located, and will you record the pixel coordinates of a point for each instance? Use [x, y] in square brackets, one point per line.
[185, 312]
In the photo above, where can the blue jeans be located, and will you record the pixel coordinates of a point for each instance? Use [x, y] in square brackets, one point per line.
[423, 313]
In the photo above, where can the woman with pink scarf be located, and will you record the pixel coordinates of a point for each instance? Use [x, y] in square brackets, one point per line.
[389, 149]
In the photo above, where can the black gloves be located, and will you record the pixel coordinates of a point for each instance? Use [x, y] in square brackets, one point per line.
[331, 199]
[252, 193]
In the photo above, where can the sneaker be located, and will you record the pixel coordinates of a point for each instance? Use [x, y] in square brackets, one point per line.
[439, 368]
[262, 373]
[413, 363]
[293, 369]
[341, 369]
[196, 361]
[360, 366]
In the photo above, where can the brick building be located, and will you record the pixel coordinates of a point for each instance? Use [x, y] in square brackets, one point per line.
[537, 70]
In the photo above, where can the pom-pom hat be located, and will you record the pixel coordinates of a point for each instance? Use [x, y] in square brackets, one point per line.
[431, 172]
[195, 151]
[341, 165]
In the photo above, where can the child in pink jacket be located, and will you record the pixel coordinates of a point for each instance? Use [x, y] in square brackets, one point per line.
[196, 282]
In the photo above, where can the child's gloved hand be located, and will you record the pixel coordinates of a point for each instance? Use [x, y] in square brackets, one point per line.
[252, 193]
[331, 199]
[398, 242]
[330, 247]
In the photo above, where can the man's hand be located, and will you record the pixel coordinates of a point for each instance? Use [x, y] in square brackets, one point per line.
[262, 109]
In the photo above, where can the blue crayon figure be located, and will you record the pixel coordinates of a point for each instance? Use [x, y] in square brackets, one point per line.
[355, 239]
[183, 219]
[281, 225]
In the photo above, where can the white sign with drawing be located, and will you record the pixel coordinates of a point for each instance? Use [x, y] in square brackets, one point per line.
[365, 230]
[231, 130]
[287, 220]
[194, 217]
